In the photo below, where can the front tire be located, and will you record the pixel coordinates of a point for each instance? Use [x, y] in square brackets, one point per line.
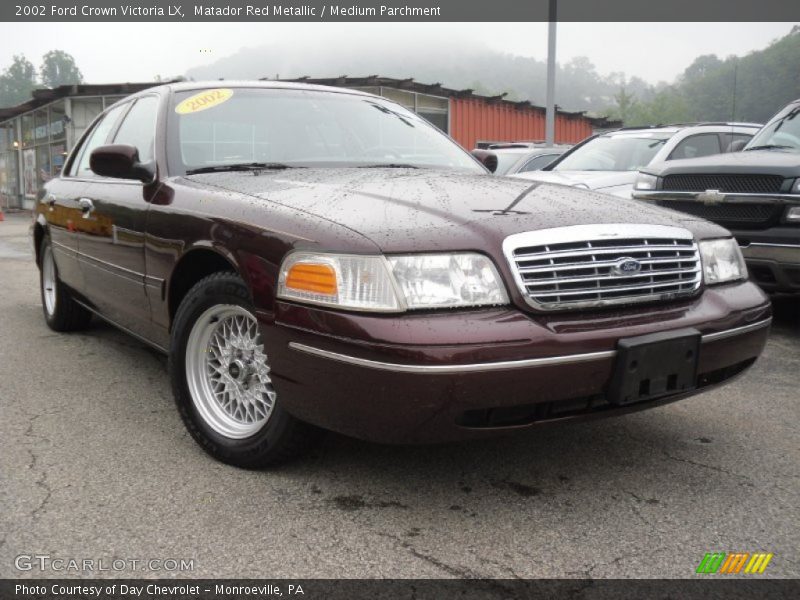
[61, 312]
[221, 382]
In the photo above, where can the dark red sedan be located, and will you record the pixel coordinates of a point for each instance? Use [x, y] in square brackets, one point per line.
[318, 258]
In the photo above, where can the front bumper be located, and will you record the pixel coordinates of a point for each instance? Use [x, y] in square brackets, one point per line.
[469, 374]
[773, 258]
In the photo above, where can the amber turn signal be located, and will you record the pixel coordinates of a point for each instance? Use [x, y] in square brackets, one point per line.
[312, 277]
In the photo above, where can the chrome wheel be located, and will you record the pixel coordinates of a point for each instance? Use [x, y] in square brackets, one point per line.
[227, 371]
[49, 281]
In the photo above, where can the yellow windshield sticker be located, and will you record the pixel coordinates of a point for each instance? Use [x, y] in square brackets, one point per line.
[204, 100]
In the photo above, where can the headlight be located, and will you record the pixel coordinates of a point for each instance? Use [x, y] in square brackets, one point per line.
[581, 185]
[447, 280]
[722, 261]
[346, 281]
[391, 284]
[645, 181]
[796, 186]
[792, 214]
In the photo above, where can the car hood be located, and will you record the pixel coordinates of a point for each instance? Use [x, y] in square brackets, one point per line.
[762, 162]
[408, 210]
[594, 180]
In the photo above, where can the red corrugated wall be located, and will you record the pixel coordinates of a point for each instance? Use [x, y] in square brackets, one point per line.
[474, 119]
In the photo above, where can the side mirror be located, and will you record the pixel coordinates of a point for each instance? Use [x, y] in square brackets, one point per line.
[736, 145]
[486, 158]
[121, 161]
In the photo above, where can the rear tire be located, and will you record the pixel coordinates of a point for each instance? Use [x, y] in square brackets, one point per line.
[61, 312]
[220, 379]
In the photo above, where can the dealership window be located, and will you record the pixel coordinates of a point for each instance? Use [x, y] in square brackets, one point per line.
[9, 186]
[34, 146]
[403, 98]
[84, 111]
[58, 137]
[436, 109]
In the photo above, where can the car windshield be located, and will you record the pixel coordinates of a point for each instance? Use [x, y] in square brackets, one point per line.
[303, 128]
[782, 133]
[622, 152]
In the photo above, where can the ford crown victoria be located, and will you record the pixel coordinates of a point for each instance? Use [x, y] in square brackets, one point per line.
[314, 258]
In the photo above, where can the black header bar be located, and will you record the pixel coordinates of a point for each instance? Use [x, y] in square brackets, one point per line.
[700, 588]
[398, 10]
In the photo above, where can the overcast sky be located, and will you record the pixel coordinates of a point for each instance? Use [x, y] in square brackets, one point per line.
[653, 51]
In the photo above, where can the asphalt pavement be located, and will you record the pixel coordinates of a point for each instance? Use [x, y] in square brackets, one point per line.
[95, 464]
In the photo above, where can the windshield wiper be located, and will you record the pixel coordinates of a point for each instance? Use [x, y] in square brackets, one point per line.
[253, 166]
[389, 166]
[770, 147]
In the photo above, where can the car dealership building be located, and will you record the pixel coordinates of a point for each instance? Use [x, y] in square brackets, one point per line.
[36, 136]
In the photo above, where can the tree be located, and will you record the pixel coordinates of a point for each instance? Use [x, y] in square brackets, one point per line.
[626, 102]
[59, 68]
[17, 81]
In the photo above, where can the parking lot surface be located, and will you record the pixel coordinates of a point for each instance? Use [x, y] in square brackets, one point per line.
[96, 464]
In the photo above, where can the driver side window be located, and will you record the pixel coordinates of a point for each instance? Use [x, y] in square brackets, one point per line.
[138, 129]
[98, 137]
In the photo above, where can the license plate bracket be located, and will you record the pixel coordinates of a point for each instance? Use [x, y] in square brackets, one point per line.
[654, 365]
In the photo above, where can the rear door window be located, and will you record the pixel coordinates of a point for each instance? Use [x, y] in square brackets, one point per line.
[538, 162]
[694, 146]
[730, 138]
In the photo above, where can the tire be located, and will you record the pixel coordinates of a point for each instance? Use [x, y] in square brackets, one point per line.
[220, 379]
[61, 312]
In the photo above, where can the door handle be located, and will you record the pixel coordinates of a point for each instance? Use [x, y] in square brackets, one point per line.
[87, 206]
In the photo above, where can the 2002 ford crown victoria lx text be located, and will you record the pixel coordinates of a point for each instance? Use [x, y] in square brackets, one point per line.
[312, 257]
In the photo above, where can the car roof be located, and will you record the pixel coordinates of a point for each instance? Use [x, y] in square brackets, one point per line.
[529, 150]
[675, 128]
[265, 84]
[188, 86]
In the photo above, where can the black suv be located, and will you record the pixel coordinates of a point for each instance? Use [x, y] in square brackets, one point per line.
[754, 193]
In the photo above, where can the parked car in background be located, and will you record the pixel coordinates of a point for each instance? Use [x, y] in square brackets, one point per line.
[522, 157]
[609, 162]
[754, 193]
[334, 261]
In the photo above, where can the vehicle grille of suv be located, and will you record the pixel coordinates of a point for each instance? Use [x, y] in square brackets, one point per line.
[732, 184]
[735, 215]
[600, 265]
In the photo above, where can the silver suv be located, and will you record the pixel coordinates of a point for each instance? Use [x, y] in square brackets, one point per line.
[609, 162]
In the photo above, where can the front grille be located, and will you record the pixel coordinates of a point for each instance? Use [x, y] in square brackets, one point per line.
[584, 266]
[732, 184]
[747, 216]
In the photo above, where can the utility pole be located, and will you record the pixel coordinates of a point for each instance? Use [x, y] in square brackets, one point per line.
[550, 116]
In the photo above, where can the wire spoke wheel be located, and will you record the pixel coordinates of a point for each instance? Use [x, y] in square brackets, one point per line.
[227, 371]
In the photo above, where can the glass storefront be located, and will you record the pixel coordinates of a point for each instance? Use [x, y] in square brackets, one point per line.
[9, 184]
[34, 145]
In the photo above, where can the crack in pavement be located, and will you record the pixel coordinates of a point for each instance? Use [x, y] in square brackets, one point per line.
[703, 465]
[463, 573]
[42, 481]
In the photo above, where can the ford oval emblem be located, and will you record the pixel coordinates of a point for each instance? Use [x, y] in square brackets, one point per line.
[627, 266]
